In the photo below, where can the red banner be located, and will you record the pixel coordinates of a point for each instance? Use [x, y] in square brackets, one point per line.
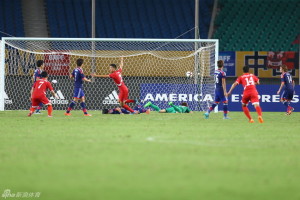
[278, 58]
[57, 64]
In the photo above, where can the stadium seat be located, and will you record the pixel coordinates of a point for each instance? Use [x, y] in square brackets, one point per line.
[128, 19]
[257, 25]
[11, 22]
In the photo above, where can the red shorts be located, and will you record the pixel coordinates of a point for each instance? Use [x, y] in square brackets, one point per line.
[37, 100]
[123, 93]
[250, 96]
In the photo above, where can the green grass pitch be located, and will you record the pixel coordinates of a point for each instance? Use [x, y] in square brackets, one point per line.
[155, 157]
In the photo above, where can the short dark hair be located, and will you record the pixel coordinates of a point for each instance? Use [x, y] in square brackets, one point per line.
[220, 63]
[246, 69]
[44, 74]
[105, 111]
[79, 62]
[39, 63]
[184, 104]
[113, 65]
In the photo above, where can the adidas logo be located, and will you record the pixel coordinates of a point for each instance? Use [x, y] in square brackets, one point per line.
[6, 99]
[61, 99]
[112, 98]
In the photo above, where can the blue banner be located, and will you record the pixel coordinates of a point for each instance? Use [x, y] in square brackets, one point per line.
[229, 62]
[161, 94]
[269, 100]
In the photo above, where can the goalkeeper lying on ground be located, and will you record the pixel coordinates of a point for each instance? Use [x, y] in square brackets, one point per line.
[183, 108]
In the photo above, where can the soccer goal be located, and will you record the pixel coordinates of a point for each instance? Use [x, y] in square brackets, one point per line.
[157, 70]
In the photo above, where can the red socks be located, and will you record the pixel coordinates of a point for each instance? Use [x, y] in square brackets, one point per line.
[32, 109]
[246, 111]
[50, 110]
[129, 101]
[258, 110]
[128, 108]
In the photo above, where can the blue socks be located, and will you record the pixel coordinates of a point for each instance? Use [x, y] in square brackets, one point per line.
[225, 109]
[212, 107]
[83, 106]
[71, 106]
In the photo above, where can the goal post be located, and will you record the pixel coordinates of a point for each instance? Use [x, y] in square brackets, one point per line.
[154, 70]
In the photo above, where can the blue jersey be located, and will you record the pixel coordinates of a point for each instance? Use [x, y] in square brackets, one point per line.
[219, 75]
[287, 79]
[115, 111]
[37, 74]
[140, 109]
[78, 76]
[124, 111]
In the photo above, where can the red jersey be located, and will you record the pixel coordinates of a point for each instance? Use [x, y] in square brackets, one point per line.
[248, 81]
[40, 87]
[117, 77]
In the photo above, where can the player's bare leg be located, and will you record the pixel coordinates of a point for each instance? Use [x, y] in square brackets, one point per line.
[259, 112]
[247, 112]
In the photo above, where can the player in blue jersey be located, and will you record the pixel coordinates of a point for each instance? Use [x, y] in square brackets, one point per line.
[288, 83]
[35, 77]
[220, 91]
[78, 77]
[138, 109]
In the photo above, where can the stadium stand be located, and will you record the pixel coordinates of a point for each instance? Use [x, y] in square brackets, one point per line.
[255, 25]
[127, 19]
[11, 18]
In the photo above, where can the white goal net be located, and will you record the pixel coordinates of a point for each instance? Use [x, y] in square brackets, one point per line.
[154, 70]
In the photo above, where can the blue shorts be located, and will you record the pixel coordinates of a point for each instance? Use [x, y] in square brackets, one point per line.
[287, 95]
[220, 97]
[140, 109]
[78, 93]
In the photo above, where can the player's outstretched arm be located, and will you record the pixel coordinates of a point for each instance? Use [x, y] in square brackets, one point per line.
[121, 63]
[232, 87]
[281, 86]
[86, 80]
[71, 76]
[100, 76]
[54, 94]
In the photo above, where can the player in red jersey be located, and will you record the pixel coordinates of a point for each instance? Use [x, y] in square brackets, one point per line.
[38, 95]
[250, 93]
[116, 75]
